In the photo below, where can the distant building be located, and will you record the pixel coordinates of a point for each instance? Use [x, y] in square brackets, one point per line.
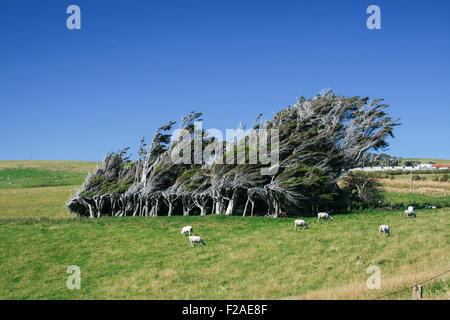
[441, 166]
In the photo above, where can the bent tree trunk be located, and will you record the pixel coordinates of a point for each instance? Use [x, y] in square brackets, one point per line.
[220, 205]
[231, 208]
[169, 213]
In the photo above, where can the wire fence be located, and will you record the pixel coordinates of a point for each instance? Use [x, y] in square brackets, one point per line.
[409, 287]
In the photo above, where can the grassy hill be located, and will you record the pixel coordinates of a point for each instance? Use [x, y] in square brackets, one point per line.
[11, 178]
[245, 258]
[60, 165]
[427, 160]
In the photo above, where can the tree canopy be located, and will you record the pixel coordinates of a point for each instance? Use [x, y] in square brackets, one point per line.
[320, 138]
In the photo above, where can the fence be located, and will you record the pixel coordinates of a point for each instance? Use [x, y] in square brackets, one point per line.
[417, 288]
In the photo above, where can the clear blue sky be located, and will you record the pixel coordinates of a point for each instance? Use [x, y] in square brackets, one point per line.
[135, 65]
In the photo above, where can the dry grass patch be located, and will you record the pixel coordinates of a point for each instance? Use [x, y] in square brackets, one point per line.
[62, 165]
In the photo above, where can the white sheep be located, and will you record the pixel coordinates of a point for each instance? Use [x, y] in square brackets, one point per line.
[385, 229]
[300, 223]
[196, 239]
[410, 212]
[323, 215]
[187, 229]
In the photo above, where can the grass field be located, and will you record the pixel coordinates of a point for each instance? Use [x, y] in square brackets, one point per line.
[401, 185]
[245, 258]
[427, 160]
[61, 165]
[12, 178]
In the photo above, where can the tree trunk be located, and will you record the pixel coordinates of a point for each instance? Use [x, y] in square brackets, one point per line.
[231, 208]
[253, 206]
[220, 206]
[91, 211]
[169, 214]
[245, 208]
[277, 209]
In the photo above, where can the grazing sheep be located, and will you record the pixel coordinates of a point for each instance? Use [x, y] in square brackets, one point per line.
[385, 229]
[193, 239]
[300, 223]
[187, 229]
[410, 212]
[323, 215]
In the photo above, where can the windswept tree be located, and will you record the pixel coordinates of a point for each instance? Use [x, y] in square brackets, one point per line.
[320, 139]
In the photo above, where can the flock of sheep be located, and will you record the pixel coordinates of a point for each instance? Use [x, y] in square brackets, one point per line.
[384, 228]
[323, 215]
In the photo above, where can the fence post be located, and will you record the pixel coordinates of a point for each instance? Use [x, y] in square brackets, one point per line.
[417, 292]
[411, 183]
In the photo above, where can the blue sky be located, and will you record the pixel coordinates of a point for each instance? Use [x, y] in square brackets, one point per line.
[135, 65]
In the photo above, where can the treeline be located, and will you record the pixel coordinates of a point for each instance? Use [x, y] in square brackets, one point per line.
[320, 139]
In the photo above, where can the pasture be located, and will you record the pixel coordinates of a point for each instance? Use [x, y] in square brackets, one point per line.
[427, 160]
[244, 258]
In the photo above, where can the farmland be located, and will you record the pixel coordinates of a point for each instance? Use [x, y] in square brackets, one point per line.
[245, 258]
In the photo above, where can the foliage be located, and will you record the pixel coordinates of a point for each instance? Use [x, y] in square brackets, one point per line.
[320, 139]
[363, 188]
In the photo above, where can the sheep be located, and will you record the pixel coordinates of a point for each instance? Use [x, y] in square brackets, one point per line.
[193, 239]
[385, 229]
[410, 212]
[323, 215]
[187, 229]
[300, 223]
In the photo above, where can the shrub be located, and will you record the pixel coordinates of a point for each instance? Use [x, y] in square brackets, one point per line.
[363, 188]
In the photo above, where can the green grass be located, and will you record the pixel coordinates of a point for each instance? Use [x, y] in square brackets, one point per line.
[35, 203]
[416, 200]
[11, 178]
[245, 258]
